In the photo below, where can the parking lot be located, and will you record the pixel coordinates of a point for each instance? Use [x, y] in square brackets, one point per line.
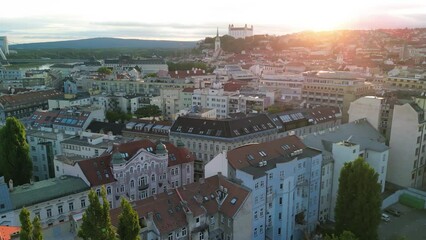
[411, 225]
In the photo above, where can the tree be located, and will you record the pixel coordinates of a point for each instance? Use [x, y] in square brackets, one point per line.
[148, 111]
[37, 235]
[15, 162]
[346, 235]
[26, 225]
[358, 200]
[104, 71]
[128, 222]
[96, 220]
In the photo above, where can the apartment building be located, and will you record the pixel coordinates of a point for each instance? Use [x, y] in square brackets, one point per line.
[71, 120]
[146, 65]
[45, 144]
[214, 208]
[23, 104]
[135, 170]
[342, 144]
[377, 110]
[284, 176]
[301, 122]
[52, 200]
[206, 138]
[150, 86]
[336, 89]
[288, 87]
[407, 142]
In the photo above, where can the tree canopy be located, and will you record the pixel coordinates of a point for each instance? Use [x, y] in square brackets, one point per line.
[96, 220]
[128, 222]
[15, 161]
[26, 225]
[104, 71]
[358, 200]
[346, 235]
[37, 235]
[148, 111]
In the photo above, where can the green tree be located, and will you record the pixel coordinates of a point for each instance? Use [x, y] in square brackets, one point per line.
[358, 200]
[96, 220]
[26, 225]
[37, 235]
[15, 162]
[148, 111]
[346, 235]
[128, 222]
[104, 71]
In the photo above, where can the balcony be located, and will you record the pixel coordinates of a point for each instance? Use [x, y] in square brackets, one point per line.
[144, 186]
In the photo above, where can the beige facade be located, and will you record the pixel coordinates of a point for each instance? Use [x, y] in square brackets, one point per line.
[337, 89]
[407, 147]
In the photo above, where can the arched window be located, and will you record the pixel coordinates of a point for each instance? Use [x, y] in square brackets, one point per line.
[132, 183]
[153, 177]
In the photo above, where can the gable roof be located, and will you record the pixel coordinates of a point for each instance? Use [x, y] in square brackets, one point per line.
[31, 98]
[168, 208]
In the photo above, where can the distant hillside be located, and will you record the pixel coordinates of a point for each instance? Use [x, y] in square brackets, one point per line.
[96, 43]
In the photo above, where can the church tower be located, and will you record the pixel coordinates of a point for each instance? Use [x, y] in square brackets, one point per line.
[217, 42]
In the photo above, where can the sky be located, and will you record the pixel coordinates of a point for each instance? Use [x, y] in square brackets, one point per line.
[25, 21]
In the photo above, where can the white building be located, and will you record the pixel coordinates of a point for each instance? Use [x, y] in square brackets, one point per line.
[52, 200]
[342, 144]
[407, 143]
[4, 45]
[240, 32]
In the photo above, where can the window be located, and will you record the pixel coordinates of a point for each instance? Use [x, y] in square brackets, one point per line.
[98, 192]
[281, 200]
[109, 190]
[49, 212]
[255, 215]
[83, 203]
[132, 183]
[261, 229]
[170, 236]
[153, 177]
[153, 191]
[183, 232]
[255, 232]
[201, 236]
[271, 175]
[279, 216]
[71, 206]
[279, 231]
[60, 209]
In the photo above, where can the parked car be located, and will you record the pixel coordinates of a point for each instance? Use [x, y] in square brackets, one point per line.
[393, 212]
[385, 217]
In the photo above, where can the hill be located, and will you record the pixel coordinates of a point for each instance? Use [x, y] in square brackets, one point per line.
[97, 43]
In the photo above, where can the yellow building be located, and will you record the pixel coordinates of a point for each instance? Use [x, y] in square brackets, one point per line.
[337, 89]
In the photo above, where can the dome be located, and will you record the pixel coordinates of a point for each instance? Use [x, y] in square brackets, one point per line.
[179, 143]
[161, 148]
[117, 158]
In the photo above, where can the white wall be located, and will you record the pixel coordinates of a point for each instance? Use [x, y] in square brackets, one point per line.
[366, 107]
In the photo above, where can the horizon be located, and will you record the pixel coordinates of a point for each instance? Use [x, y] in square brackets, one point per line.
[48, 21]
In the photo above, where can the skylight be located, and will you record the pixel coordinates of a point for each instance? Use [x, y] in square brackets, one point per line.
[234, 200]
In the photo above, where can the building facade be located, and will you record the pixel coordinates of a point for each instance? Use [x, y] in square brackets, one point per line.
[240, 32]
[206, 138]
[214, 208]
[284, 176]
[336, 89]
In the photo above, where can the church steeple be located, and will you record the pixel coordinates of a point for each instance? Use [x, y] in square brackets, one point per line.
[217, 42]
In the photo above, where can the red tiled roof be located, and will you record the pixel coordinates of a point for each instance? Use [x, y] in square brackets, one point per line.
[249, 155]
[168, 210]
[6, 232]
[29, 97]
[182, 154]
[97, 170]
[232, 87]
[191, 90]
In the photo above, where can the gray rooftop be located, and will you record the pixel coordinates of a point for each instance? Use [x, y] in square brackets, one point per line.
[46, 190]
[360, 132]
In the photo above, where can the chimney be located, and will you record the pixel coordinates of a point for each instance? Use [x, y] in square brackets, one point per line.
[11, 185]
[151, 216]
[201, 180]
